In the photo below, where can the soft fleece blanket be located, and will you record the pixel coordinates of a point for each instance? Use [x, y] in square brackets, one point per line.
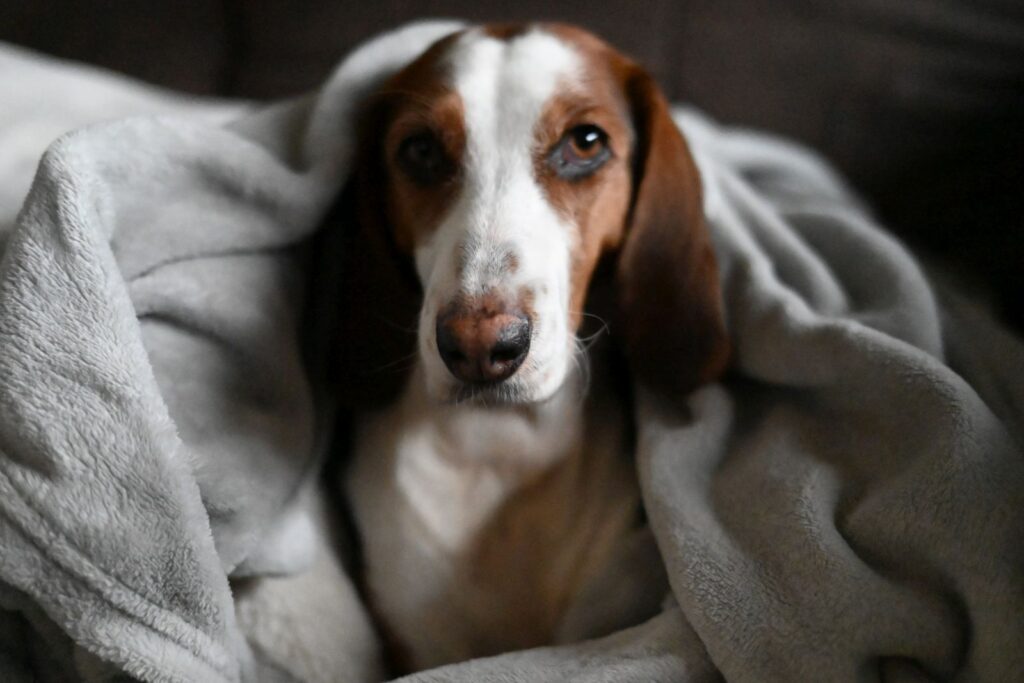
[847, 505]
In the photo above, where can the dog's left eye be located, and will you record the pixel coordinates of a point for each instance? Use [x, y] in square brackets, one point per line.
[580, 152]
[423, 158]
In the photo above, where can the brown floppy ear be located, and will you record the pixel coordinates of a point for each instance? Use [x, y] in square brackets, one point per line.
[368, 290]
[667, 278]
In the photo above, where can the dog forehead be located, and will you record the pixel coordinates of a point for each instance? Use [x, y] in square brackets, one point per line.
[505, 80]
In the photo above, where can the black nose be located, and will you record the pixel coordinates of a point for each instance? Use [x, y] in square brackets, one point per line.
[483, 348]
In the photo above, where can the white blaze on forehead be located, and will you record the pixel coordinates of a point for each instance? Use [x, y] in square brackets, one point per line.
[505, 84]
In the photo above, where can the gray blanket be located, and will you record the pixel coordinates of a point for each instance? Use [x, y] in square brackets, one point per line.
[847, 505]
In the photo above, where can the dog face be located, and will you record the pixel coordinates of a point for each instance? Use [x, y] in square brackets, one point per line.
[500, 166]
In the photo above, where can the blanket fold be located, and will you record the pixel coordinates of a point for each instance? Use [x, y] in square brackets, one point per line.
[879, 474]
[847, 504]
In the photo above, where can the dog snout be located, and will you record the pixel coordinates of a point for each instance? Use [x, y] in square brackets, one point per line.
[481, 347]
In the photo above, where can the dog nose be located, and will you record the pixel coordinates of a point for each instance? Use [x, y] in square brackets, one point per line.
[483, 348]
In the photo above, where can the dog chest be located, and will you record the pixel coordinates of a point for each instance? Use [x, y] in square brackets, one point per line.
[480, 525]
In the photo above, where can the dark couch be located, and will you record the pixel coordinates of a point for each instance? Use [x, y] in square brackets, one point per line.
[919, 102]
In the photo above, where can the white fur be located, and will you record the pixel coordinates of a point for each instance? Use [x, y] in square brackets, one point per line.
[502, 209]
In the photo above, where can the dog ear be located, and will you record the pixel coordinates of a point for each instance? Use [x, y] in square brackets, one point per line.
[369, 293]
[670, 303]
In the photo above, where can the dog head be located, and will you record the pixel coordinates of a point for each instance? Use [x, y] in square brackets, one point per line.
[495, 172]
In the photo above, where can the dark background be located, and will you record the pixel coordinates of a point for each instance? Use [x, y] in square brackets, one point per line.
[919, 102]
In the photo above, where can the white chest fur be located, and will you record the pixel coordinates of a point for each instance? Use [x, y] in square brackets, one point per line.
[482, 527]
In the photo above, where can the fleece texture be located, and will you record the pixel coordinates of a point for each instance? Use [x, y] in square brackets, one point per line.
[846, 505]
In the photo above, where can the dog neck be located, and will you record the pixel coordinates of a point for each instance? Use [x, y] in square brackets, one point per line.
[458, 463]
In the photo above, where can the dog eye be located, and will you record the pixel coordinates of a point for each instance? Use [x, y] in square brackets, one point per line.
[422, 157]
[580, 152]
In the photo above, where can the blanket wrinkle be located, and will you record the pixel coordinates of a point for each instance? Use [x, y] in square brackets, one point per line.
[846, 505]
[62, 285]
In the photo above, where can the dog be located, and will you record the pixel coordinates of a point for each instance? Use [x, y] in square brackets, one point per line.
[515, 185]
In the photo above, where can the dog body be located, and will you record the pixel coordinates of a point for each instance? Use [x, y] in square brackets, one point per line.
[484, 526]
[492, 486]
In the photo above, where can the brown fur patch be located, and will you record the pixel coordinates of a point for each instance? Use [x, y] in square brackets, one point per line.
[418, 100]
[506, 31]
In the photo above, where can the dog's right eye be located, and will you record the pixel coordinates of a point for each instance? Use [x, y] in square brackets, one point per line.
[580, 152]
[422, 157]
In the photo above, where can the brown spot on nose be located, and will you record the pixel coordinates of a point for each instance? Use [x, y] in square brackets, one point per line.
[482, 346]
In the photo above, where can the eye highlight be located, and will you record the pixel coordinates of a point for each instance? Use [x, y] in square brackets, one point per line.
[423, 158]
[580, 152]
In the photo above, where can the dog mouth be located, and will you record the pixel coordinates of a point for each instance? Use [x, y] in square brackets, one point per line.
[488, 394]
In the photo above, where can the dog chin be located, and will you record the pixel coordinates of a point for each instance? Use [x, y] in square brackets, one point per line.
[515, 391]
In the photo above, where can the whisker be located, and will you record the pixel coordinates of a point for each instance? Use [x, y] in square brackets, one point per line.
[398, 362]
[581, 360]
[401, 328]
[591, 315]
[591, 339]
